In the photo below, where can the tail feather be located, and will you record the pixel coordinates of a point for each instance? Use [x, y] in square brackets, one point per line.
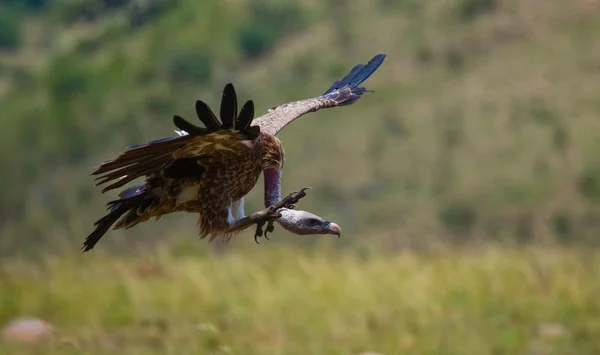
[346, 91]
[133, 201]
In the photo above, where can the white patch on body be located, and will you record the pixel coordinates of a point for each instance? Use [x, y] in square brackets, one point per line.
[230, 219]
[238, 208]
[187, 193]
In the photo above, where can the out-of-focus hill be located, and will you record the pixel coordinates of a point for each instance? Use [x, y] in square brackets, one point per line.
[483, 124]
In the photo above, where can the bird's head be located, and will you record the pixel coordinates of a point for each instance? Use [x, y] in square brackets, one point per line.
[306, 223]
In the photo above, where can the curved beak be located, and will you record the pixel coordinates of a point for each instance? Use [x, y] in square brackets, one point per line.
[335, 229]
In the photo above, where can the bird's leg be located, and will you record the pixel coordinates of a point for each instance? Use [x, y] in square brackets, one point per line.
[268, 215]
[272, 180]
[238, 220]
[273, 202]
[259, 218]
[237, 208]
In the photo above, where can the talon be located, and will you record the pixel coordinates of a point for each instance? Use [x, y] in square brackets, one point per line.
[270, 228]
[259, 231]
[295, 197]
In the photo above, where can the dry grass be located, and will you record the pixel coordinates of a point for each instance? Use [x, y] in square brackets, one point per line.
[283, 300]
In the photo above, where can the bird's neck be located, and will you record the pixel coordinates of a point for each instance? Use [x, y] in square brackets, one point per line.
[271, 151]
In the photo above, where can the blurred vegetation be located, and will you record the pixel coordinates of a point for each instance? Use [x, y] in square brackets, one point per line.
[481, 138]
[483, 125]
[275, 300]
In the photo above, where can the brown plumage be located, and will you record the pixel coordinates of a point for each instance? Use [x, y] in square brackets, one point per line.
[209, 170]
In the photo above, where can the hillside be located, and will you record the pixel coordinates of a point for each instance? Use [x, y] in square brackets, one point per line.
[483, 124]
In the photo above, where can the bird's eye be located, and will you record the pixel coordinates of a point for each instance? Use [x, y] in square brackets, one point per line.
[313, 222]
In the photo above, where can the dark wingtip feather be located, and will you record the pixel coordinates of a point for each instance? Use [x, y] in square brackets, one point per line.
[130, 198]
[190, 128]
[228, 106]
[207, 117]
[102, 226]
[246, 116]
[358, 74]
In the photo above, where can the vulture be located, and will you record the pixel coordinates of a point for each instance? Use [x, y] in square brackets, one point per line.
[208, 170]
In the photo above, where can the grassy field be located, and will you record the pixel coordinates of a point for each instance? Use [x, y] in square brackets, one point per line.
[286, 300]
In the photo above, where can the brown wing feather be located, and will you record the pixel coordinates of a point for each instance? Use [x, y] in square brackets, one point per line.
[152, 158]
[282, 115]
[343, 92]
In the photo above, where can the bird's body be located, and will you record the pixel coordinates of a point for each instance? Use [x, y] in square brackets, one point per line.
[208, 170]
[225, 167]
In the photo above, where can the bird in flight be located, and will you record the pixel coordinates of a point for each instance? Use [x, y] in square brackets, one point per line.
[208, 170]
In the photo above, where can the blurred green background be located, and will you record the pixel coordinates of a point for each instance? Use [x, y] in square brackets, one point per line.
[466, 186]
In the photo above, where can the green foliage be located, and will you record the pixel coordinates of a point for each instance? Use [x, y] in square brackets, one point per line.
[589, 184]
[563, 226]
[69, 11]
[193, 65]
[23, 79]
[458, 217]
[267, 23]
[67, 78]
[76, 10]
[454, 59]
[560, 138]
[110, 4]
[470, 9]
[145, 12]
[28, 5]
[540, 113]
[10, 28]
[255, 38]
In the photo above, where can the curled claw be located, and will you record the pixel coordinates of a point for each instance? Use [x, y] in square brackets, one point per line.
[288, 202]
[259, 231]
[294, 197]
[301, 193]
[270, 229]
[273, 215]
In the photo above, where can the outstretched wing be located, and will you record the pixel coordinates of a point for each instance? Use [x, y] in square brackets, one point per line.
[177, 157]
[345, 91]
